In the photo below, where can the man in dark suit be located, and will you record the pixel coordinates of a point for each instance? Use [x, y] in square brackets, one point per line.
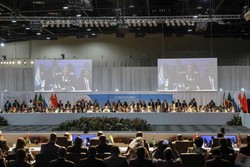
[91, 160]
[77, 147]
[164, 106]
[246, 150]
[141, 160]
[61, 161]
[7, 106]
[116, 160]
[217, 161]
[51, 147]
[103, 146]
[94, 141]
[3, 144]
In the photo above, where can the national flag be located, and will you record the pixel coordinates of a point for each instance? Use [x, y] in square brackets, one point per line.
[153, 139]
[239, 140]
[70, 136]
[225, 100]
[111, 138]
[28, 138]
[45, 105]
[236, 108]
[229, 100]
[244, 103]
[53, 99]
[38, 80]
[240, 98]
[40, 99]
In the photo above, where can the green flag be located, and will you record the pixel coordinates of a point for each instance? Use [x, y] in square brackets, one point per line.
[40, 99]
[35, 100]
[229, 101]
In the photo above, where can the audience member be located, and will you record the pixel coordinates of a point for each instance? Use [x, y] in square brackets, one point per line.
[225, 151]
[21, 144]
[103, 146]
[94, 141]
[116, 160]
[171, 158]
[141, 160]
[217, 161]
[21, 160]
[246, 150]
[3, 143]
[197, 148]
[51, 147]
[91, 160]
[161, 146]
[69, 139]
[62, 161]
[77, 147]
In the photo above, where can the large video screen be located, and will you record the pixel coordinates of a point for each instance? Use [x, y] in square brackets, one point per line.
[187, 74]
[63, 75]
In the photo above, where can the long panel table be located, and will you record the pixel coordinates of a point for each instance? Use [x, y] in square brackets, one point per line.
[151, 118]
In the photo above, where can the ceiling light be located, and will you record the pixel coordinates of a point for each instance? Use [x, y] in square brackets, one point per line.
[167, 23]
[13, 21]
[195, 16]
[144, 24]
[2, 44]
[189, 30]
[172, 23]
[78, 15]
[38, 2]
[31, 62]
[91, 24]
[10, 62]
[18, 62]
[96, 24]
[178, 22]
[13, 62]
[48, 38]
[101, 23]
[38, 33]
[24, 62]
[65, 7]
[106, 24]
[88, 29]
[27, 28]
[154, 23]
[149, 24]
[183, 23]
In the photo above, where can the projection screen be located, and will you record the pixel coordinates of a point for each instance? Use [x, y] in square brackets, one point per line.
[187, 74]
[63, 75]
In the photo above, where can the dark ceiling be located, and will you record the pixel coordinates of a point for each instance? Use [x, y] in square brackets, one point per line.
[19, 31]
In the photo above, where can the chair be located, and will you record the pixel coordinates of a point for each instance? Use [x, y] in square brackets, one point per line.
[62, 141]
[103, 155]
[75, 157]
[43, 160]
[10, 157]
[192, 160]
[182, 146]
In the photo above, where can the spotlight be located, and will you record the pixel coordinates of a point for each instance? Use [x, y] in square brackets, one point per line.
[106, 24]
[24, 62]
[31, 62]
[183, 23]
[138, 23]
[27, 28]
[91, 24]
[221, 90]
[134, 23]
[65, 7]
[149, 24]
[38, 33]
[154, 23]
[167, 23]
[96, 24]
[78, 15]
[2, 44]
[101, 23]
[128, 23]
[144, 23]
[48, 38]
[172, 23]
[178, 23]
[18, 62]
[13, 62]
[68, 23]
[242, 89]
[86, 24]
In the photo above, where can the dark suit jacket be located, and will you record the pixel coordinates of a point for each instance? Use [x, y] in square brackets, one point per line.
[74, 149]
[49, 148]
[117, 161]
[102, 148]
[91, 162]
[245, 150]
[62, 163]
[141, 163]
[4, 146]
[217, 162]
[19, 164]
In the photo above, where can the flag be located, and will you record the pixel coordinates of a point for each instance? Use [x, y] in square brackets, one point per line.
[236, 108]
[45, 105]
[35, 100]
[244, 103]
[28, 138]
[153, 139]
[240, 98]
[238, 140]
[111, 138]
[40, 99]
[229, 100]
[38, 80]
[53, 99]
[70, 136]
[225, 100]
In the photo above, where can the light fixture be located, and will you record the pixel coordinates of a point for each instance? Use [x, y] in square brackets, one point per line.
[48, 38]
[144, 23]
[154, 23]
[31, 62]
[189, 30]
[134, 23]
[242, 89]
[24, 62]
[167, 23]
[91, 24]
[68, 23]
[2, 44]
[188, 23]
[65, 7]
[116, 90]
[106, 24]
[38, 33]
[138, 23]
[78, 15]
[88, 29]
[101, 23]
[172, 23]
[27, 28]
[149, 23]
[183, 23]
[96, 24]
[13, 62]
[80, 23]
[18, 62]
[178, 23]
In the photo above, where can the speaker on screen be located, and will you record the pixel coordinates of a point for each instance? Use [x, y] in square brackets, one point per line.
[187, 74]
[63, 75]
